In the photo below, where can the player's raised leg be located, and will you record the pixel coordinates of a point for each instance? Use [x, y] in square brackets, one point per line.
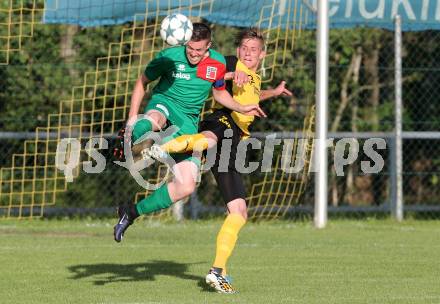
[182, 185]
[153, 121]
[182, 144]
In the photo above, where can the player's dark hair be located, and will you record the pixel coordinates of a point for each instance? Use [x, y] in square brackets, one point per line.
[249, 33]
[200, 32]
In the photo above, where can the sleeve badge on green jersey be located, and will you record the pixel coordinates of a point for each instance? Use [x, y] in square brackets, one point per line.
[211, 70]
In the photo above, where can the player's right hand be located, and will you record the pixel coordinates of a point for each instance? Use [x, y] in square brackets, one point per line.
[118, 150]
[252, 110]
[123, 140]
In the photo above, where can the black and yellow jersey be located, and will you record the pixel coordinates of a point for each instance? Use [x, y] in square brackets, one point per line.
[249, 93]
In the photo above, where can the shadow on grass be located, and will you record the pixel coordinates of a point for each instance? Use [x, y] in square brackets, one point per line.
[105, 273]
[204, 287]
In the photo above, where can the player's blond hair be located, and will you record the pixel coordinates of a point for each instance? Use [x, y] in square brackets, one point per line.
[249, 33]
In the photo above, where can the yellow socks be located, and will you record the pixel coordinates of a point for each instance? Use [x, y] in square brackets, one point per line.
[186, 143]
[226, 239]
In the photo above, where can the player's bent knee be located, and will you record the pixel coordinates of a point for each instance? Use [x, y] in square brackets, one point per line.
[238, 206]
[186, 189]
[244, 215]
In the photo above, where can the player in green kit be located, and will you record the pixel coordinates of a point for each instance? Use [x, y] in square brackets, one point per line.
[186, 76]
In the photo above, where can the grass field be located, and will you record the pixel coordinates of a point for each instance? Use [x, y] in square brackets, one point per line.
[77, 261]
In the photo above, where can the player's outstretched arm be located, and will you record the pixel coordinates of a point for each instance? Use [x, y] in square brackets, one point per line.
[125, 134]
[280, 90]
[136, 98]
[226, 100]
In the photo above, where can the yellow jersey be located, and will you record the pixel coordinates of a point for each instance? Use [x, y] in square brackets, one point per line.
[247, 94]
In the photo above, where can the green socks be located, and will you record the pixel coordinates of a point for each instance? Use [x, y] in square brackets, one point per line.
[140, 128]
[158, 200]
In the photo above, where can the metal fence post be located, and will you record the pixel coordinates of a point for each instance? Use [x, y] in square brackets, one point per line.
[392, 175]
[397, 208]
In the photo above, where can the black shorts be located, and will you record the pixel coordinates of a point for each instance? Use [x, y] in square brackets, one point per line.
[229, 181]
[230, 184]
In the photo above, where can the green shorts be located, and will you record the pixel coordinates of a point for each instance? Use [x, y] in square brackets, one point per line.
[187, 124]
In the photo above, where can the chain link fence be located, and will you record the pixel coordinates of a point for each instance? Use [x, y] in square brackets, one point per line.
[361, 106]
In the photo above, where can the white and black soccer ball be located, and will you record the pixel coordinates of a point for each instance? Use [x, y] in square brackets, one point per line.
[176, 29]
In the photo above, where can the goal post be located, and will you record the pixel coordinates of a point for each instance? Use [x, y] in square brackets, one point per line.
[320, 155]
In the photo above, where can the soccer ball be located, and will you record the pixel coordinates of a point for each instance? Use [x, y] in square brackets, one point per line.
[176, 29]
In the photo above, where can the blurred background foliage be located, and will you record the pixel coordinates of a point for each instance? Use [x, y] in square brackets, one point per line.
[361, 98]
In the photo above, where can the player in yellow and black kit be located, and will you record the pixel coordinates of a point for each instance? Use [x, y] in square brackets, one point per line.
[244, 84]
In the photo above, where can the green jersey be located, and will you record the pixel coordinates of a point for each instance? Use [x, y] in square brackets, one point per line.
[183, 85]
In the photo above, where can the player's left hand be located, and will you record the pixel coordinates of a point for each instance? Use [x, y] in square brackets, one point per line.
[252, 110]
[281, 90]
[240, 78]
